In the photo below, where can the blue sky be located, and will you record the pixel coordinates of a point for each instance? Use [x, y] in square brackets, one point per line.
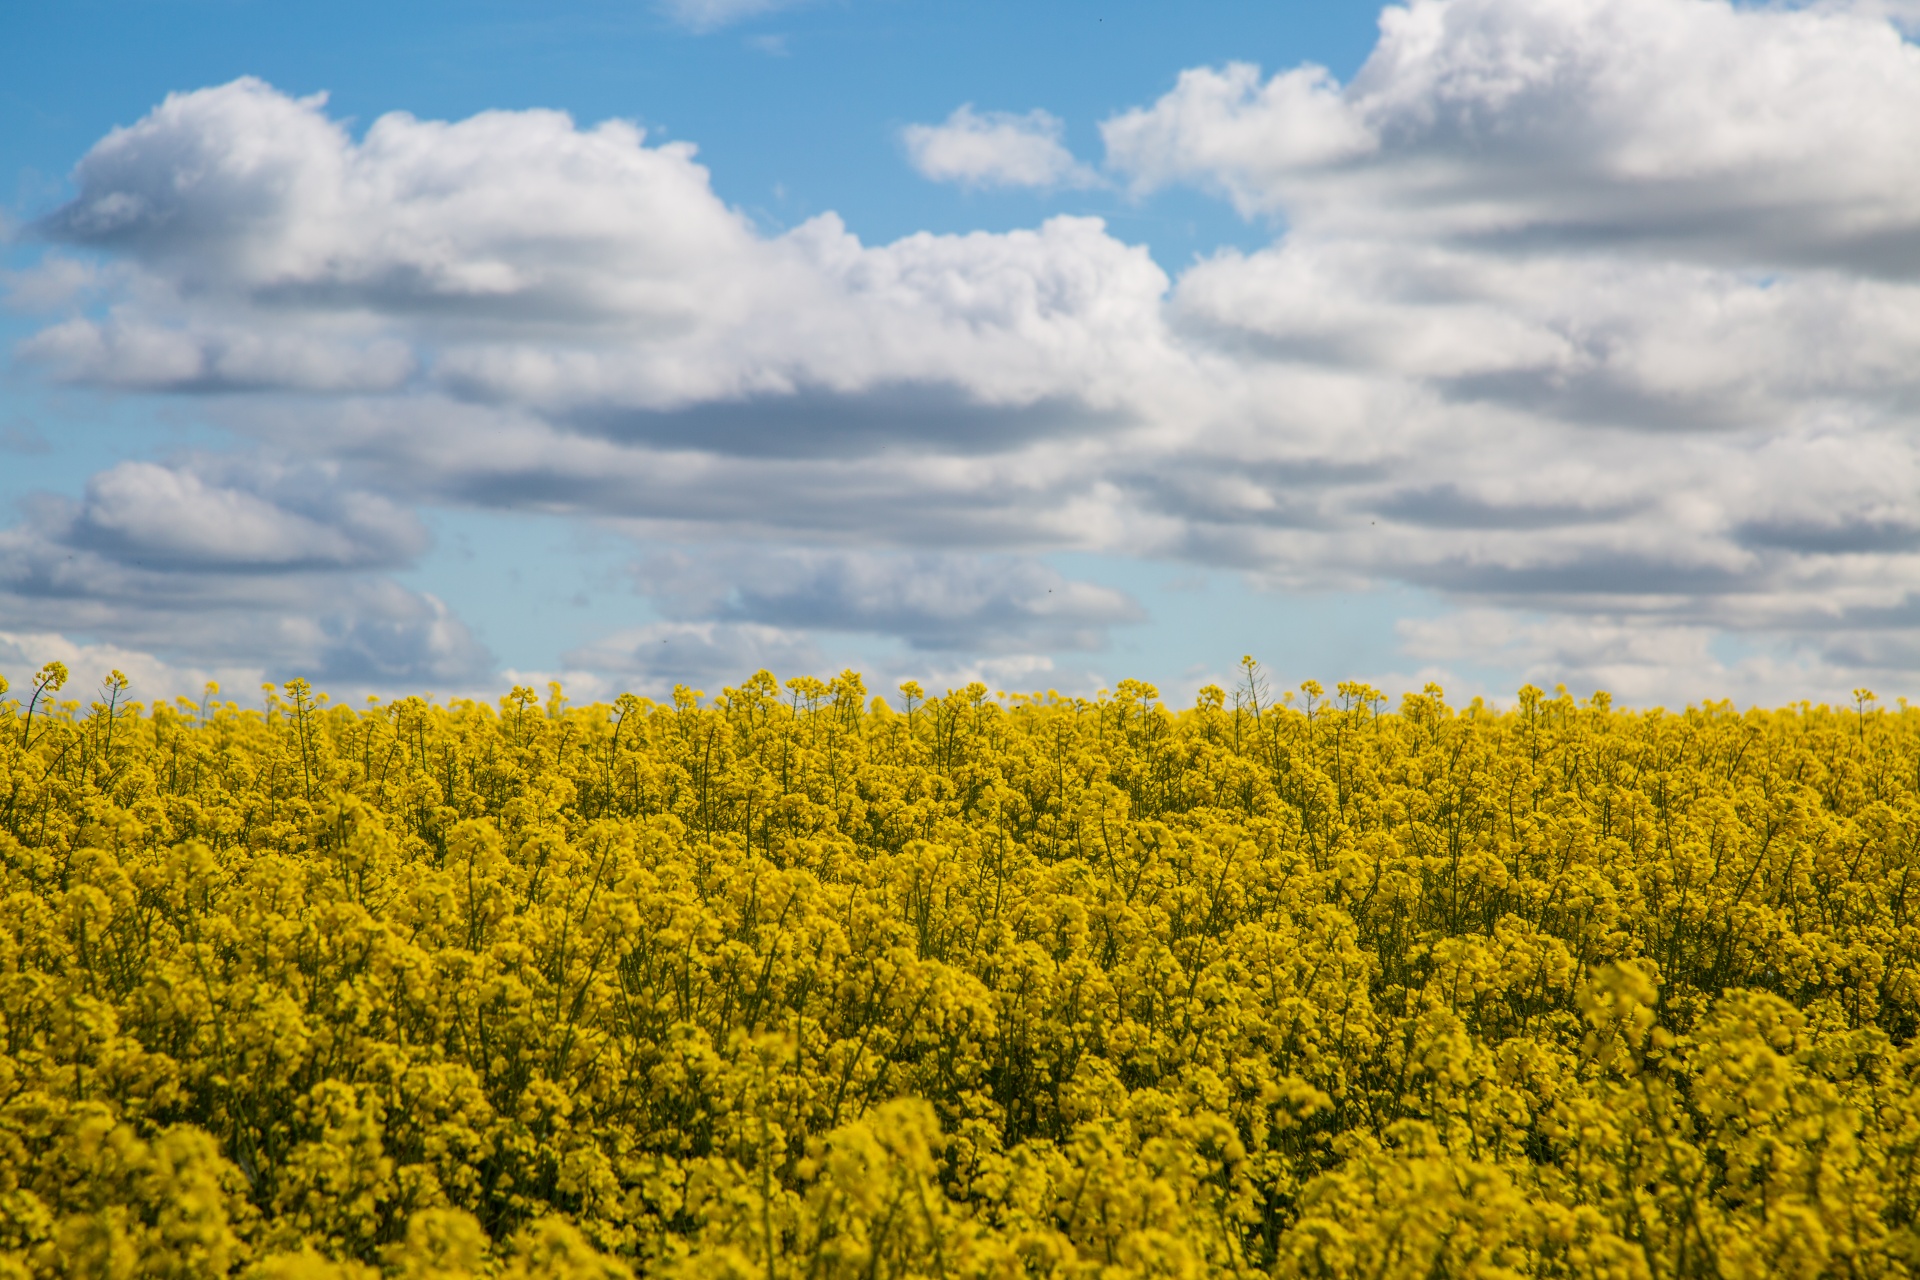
[1509, 346]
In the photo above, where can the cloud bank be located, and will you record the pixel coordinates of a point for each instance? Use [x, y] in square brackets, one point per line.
[1591, 318]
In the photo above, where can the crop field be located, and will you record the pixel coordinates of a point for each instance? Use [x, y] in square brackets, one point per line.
[801, 983]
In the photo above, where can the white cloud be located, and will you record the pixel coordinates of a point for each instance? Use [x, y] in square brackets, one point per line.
[552, 266]
[1226, 129]
[996, 149]
[1697, 127]
[241, 191]
[259, 519]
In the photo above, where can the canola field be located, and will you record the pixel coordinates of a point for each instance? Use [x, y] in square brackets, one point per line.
[797, 983]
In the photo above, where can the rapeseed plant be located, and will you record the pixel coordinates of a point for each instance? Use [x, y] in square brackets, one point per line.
[793, 985]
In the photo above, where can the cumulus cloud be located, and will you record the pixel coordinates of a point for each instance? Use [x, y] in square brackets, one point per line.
[996, 149]
[1584, 315]
[1227, 129]
[543, 264]
[243, 191]
[220, 515]
[1690, 126]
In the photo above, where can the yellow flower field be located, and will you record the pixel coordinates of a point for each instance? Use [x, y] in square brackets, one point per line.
[797, 983]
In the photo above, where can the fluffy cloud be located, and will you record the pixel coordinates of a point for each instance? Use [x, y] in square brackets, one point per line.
[1227, 129]
[996, 149]
[220, 516]
[1690, 127]
[507, 217]
[1586, 315]
[560, 268]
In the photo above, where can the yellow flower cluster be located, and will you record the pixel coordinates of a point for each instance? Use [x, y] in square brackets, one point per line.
[794, 984]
